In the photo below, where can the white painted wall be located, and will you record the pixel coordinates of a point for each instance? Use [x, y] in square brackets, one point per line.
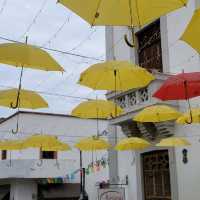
[177, 56]
[69, 130]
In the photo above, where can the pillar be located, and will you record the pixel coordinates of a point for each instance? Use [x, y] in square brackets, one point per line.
[23, 190]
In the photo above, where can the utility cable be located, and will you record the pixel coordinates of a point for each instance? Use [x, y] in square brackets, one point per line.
[34, 20]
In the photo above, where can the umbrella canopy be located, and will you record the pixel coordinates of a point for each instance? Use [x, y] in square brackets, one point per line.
[92, 144]
[180, 87]
[131, 144]
[115, 75]
[132, 12]
[56, 147]
[101, 109]
[158, 113]
[173, 142]
[27, 99]
[192, 32]
[24, 55]
[41, 141]
[185, 118]
[11, 145]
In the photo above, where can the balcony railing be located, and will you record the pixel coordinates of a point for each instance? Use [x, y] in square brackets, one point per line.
[137, 98]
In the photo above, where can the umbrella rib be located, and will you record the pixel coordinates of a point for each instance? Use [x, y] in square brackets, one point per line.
[96, 15]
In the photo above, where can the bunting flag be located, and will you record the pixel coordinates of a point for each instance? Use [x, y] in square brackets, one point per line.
[60, 180]
[93, 167]
[96, 166]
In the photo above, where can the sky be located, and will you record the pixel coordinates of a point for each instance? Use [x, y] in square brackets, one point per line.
[49, 24]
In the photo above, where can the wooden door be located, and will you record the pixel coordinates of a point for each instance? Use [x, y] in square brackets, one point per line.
[156, 175]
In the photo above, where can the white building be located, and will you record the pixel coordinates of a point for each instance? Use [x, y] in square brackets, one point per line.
[22, 172]
[156, 173]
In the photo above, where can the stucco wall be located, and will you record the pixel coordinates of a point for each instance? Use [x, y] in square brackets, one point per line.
[68, 129]
[177, 56]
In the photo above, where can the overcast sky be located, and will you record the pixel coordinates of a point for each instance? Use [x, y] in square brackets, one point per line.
[47, 23]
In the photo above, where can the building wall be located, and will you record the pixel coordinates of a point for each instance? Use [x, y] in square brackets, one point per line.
[177, 56]
[69, 130]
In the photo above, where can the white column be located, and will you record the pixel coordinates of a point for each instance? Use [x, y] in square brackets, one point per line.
[197, 4]
[113, 155]
[23, 190]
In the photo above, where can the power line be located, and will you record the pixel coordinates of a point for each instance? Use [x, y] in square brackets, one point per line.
[83, 41]
[56, 50]
[34, 19]
[58, 31]
[3, 6]
[51, 93]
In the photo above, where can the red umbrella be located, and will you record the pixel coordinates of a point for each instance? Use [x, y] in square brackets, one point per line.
[180, 87]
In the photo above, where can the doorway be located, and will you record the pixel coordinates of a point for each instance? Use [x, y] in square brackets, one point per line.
[156, 175]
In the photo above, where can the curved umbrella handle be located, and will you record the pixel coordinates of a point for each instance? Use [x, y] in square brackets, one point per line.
[130, 44]
[39, 164]
[57, 164]
[16, 130]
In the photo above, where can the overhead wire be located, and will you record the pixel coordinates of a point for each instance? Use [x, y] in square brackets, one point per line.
[34, 20]
[83, 41]
[55, 50]
[3, 6]
[57, 31]
[50, 93]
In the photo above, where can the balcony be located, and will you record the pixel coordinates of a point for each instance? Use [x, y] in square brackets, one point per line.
[34, 169]
[134, 100]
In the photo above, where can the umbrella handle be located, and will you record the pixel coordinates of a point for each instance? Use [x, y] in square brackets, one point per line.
[17, 129]
[130, 44]
[39, 164]
[16, 104]
[57, 164]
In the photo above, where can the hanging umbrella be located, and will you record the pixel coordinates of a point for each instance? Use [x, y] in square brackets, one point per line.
[173, 142]
[57, 147]
[41, 141]
[96, 109]
[192, 32]
[93, 143]
[180, 87]
[122, 13]
[11, 145]
[27, 99]
[185, 118]
[115, 75]
[45, 143]
[157, 113]
[26, 56]
[132, 144]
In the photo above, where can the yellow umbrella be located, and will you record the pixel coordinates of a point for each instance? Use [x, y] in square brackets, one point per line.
[93, 143]
[57, 147]
[100, 109]
[192, 116]
[157, 113]
[131, 144]
[11, 145]
[123, 12]
[24, 55]
[28, 99]
[192, 32]
[41, 141]
[115, 75]
[173, 142]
